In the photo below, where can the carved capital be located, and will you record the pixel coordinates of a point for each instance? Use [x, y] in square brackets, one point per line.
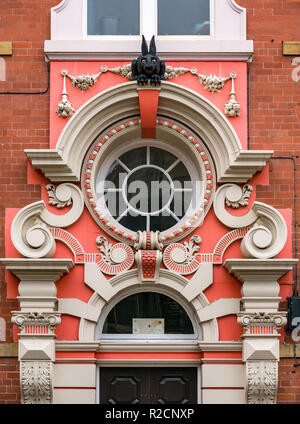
[37, 323]
[262, 323]
[36, 382]
[262, 380]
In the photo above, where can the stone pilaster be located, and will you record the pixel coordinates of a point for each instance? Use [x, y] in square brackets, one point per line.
[36, 322]
[261, 321]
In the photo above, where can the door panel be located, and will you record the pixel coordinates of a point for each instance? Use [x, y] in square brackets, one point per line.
[174, 385]
[121, 385]
[148, 385]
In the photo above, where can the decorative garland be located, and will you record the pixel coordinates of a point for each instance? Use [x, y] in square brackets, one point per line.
[210, 82]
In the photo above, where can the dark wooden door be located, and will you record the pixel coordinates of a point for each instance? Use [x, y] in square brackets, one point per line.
[148, 385]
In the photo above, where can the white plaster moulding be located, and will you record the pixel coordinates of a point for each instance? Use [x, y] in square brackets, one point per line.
[161, 346]
[148, 362]
[98, 50]
[233, 164]
[30, 231]
[69, 40]
[120, 346]
[38, 269]
[127, 283]
[244, 269]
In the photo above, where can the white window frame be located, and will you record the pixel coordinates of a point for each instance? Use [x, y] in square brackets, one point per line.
[227, 41]
[148, 25]
[196, 336]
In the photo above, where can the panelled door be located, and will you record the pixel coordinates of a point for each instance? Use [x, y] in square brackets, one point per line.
[148, 385]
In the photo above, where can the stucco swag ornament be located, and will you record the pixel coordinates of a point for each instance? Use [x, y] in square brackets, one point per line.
[148, 69]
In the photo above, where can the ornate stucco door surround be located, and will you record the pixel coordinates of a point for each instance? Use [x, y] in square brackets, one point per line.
[262, 230]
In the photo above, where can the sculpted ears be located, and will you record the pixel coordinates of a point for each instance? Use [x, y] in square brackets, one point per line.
[144, 47]
[152, 46]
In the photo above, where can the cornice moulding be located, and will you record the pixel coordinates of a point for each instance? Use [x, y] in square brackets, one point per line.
[265, 269]
[38, 269]
[116, 346]
[95, 50]
[220, 346]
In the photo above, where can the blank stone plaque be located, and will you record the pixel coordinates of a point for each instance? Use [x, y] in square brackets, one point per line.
[148, 326]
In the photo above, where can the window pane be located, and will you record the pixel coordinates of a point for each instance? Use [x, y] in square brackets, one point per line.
[147, 305]
[115, 176]
[189, 17]
[134, 158]
[162, 222]
[181, 175]
[161, 158]
[113, 17]
[134, 222]
[146, 189]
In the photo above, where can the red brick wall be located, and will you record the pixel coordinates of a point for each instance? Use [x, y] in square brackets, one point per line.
[9, 381]
[275, 124]
[274, 95]
[289, 382]
[27, 25]
[24, 123]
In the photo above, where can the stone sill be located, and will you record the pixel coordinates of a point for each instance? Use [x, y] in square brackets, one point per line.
[208, 50]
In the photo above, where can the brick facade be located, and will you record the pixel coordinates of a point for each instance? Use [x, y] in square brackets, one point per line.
[274, 118]
[9, 381]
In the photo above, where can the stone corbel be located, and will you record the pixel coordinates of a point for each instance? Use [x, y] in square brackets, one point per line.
[268, 232]
[30, 228]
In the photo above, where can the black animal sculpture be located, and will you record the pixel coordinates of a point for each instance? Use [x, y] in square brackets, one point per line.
[148, 66]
